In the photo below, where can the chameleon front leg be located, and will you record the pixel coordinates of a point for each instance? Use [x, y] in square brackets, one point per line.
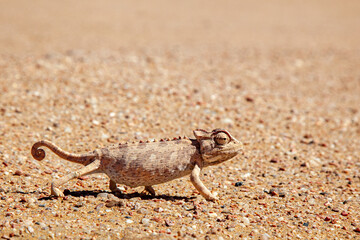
[195, 179]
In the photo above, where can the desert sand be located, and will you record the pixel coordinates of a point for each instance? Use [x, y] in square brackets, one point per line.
[282, 76]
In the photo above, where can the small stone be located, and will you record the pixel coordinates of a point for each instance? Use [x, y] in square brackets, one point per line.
[99, 206]
[239, 184]
[5, 236]
[103, 195]
[306, 224]
[129, 221]
[273, 192]
[30, 229]
[145, 222]
[169, 223]
[327, 219]
[357, 229]
[158, 209]
[265, 236]
[79, 204]
[212, 214]
[30, 205]
[114, 204]
[343, 213]
[157, 219]
[246, 220]
[42, 225]
[311, 201]
[18, 173]
[48, 172]
[68, 130]
[227, 121]
[274, 160]
[143, 211]
[249, 99]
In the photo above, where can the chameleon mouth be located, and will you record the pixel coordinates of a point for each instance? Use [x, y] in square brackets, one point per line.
[224, 153]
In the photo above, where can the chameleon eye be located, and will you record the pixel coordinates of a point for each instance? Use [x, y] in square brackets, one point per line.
[221, 138]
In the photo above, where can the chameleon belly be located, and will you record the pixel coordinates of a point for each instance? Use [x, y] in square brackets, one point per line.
[146, 164]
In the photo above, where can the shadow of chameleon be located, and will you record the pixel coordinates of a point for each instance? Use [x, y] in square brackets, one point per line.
[120, 196]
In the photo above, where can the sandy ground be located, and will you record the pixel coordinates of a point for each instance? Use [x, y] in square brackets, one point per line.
[282, 76]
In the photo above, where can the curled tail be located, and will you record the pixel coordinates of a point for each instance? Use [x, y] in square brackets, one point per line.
[39, 154]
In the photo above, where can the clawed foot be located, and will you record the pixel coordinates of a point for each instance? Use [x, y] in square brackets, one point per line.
[148, 190]
[56, 192]
[211, 198]
[117, 192]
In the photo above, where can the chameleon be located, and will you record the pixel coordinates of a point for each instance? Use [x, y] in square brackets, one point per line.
[151, 162]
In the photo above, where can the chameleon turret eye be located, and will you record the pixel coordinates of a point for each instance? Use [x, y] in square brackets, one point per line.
[221, 138]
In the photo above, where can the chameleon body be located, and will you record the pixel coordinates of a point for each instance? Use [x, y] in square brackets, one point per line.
[150, 163]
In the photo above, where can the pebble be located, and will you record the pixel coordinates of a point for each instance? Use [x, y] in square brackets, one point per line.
[115, 204]
[158, 209]
[169, 223]
[103, 195]
[30, 229]
[227, 121]
[246, 220]
[265, 236]
[277, 192]
[311, 201]
[18, 173]
[99, 206]
[79, 204]
[343, 213]
[239, 184]
[143, 211]
[212, 214]
[145, 222]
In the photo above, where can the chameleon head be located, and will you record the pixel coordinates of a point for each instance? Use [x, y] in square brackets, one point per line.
[217, 146]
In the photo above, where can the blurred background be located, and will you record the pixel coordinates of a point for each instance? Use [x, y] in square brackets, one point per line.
[40, 26]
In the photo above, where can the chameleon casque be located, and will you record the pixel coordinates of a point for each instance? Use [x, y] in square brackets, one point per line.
[149, 163]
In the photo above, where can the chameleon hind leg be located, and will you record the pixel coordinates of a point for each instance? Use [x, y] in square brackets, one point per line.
[113, 188]
[149, 190]
[87, 170]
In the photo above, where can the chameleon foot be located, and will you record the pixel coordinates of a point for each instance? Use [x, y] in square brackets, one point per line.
[149, 190]
[56, 192]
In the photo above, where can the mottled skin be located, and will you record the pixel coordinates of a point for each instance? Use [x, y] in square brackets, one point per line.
[150, 163]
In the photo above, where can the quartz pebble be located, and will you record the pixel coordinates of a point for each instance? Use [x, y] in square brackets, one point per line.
[145, 222]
